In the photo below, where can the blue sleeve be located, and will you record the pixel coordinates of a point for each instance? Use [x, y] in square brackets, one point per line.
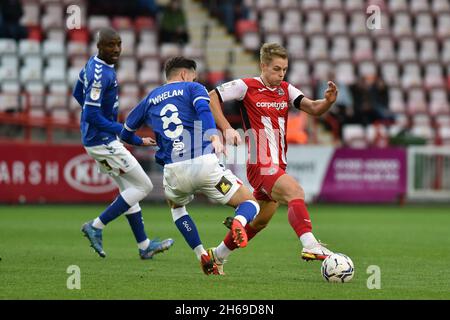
[198, 92]
[206, 116]
[94, 116]
[98, 81]
[78, 91]
[134, 121]
[130, 138]
[200, 100]
[137, 116]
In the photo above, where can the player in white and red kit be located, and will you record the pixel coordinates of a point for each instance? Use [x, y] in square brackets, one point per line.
[266, 100]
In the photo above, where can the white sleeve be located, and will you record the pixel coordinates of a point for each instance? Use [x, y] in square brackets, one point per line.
[233, 90]
[294, 93]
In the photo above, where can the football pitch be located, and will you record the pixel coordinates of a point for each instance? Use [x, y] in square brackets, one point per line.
[409, 244]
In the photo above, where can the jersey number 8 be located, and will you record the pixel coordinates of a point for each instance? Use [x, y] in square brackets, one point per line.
[172, 134]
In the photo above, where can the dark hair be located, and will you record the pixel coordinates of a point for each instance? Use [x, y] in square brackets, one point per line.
[175, 63]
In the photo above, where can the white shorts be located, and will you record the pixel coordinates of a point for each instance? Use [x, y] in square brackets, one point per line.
[112, 158]
[202, 174]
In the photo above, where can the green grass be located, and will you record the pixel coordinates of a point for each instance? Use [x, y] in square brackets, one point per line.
[409, 244]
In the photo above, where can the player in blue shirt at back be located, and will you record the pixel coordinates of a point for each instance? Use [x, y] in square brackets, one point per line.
[97, 92]
[186, 134]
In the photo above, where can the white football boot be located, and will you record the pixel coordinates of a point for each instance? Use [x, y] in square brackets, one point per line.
[218, 262]
[318, 252]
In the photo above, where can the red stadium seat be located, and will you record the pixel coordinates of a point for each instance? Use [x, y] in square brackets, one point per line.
[141, 23]
[243, 26]
[80, 35]
[35, 33]
[120, 23]
[214, 77]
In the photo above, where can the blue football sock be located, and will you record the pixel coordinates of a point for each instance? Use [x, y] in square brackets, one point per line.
[188, 230]
[114, 210]
[247, 209]
[137, 225]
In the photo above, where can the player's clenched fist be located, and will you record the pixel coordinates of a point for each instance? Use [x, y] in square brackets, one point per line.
[331, 92]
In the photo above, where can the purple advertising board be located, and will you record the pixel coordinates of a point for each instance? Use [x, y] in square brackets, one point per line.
[365, 175]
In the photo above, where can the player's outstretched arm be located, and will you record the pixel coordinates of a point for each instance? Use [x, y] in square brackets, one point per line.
[95, 117]
[131, 138]
[231, 135]
[319, 107]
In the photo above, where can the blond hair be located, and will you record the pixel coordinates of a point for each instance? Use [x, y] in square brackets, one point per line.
[269, 51]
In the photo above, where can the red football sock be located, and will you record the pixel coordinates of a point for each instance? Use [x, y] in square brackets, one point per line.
[251, 232]
[298, 217]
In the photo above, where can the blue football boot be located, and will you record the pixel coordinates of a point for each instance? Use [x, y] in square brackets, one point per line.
[155, 247]
[94, 236]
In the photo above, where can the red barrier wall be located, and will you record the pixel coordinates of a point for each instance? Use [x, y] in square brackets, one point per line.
[51, 173]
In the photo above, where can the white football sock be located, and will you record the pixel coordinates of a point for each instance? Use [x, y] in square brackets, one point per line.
[222, 252]
[241, 219]
[144, 244]
[199, 251]
[98, 224]
[308, 240]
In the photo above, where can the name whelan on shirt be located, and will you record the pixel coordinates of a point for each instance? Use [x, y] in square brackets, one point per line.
[165, 95]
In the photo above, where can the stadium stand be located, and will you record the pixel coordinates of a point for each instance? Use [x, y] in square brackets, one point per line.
[411, 53]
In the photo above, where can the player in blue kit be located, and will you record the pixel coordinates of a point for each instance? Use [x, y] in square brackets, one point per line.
[188, 142]
[97, 92]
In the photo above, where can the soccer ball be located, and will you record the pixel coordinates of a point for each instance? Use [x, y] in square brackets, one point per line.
[337, 268]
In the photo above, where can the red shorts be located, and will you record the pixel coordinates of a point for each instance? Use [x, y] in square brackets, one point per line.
[262, 178]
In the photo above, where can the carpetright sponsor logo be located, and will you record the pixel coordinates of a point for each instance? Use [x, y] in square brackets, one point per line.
[276, 105]
[82, 174]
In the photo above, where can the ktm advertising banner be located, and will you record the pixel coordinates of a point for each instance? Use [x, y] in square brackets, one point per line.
[59, 173]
